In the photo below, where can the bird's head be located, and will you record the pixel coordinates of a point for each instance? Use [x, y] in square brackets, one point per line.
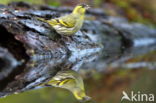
[80, 9]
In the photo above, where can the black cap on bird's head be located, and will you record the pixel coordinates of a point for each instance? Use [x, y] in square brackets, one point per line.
[85, 6]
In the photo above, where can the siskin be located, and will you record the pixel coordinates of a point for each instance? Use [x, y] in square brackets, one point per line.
[69, 24]
[71, 81]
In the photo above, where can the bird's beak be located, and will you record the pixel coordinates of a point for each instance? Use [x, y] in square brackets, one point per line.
[87, 6]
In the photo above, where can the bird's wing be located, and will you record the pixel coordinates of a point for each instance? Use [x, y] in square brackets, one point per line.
[60, 83]
[66, 81]
[67, 21]
[51, 22]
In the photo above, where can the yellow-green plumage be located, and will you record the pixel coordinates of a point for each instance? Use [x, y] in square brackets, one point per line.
[69, 24]
[71, 81]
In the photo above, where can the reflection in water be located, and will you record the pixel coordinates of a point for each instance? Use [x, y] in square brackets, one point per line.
[144, 41]
[71, 81]
[103, 88]
[137, 65]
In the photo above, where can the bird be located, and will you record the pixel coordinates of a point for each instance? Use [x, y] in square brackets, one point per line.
[72, 81]
[69, 24]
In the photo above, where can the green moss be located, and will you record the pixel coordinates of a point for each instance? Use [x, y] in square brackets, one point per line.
[97, 2]
[54, 3]
[4, 1]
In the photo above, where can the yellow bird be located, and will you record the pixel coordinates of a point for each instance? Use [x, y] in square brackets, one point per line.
[71, 81]
[69, 24]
